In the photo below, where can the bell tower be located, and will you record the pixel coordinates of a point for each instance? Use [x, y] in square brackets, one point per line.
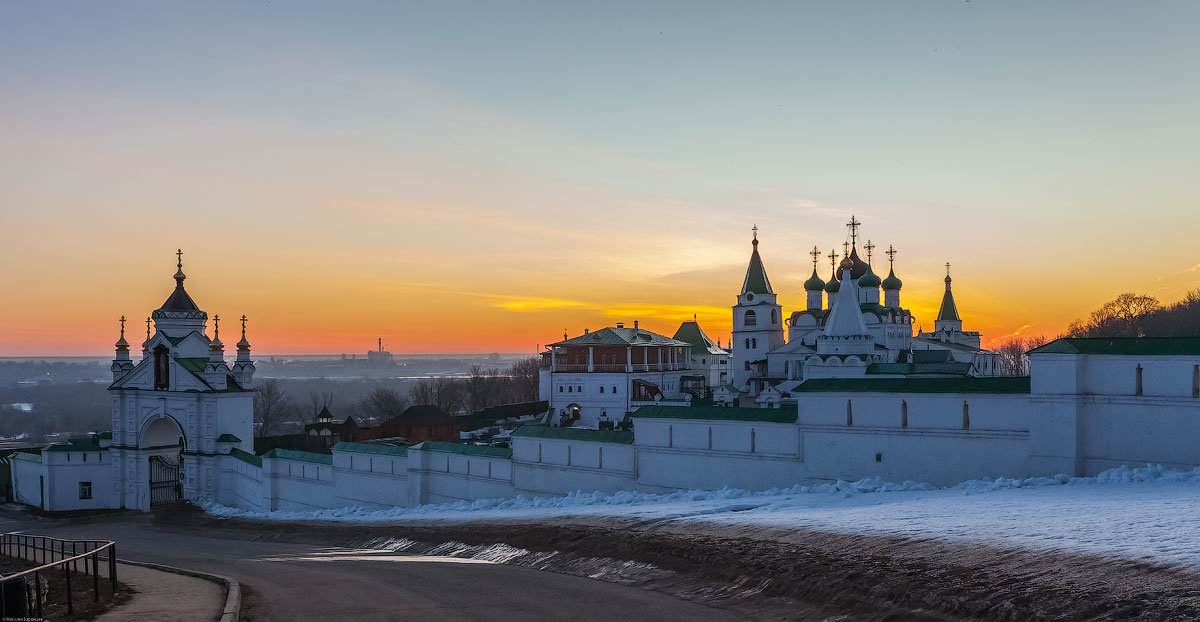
[757, 322]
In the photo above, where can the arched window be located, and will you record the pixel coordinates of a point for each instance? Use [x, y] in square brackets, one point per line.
[614, 388]
[560, 389]
[747, 344]
[754, 342]
[774, 317]
[602, 388]
[570, 389]
[162, 367]
[750, 319]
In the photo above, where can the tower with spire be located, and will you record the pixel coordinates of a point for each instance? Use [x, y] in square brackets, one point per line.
[179, 407]
[757, 322]
[947, 319]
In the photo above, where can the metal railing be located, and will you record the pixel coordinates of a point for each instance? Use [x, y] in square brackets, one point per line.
[56, 556]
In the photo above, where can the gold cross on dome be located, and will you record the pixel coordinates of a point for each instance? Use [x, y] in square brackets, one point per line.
[891, 253]
[816, 255]
[870, 247]
[846, 249]
[122, 325]
[853, 225]
[754, 230]
[216, 327]
[947, 268]
[147, 328]
[833, 259]
[243, 327]
[179, 258]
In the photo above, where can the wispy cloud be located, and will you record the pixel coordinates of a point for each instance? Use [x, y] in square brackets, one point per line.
[525, 304]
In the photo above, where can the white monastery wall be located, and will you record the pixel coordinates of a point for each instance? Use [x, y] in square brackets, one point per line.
[66, 470]
[686, 453]
[560, 466]
[27, 481]
[442, 477]
[370, 480]
[298, 485]
[240, 484]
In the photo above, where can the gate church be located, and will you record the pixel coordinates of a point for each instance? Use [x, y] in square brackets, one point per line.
[173, 412]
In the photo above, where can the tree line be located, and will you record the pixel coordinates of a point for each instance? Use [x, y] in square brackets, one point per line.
[278, 411]
[1127, 315]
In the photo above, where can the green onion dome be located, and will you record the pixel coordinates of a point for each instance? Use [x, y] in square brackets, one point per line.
[891, 282]
[814, 282]
[868, 279]
[833, 285]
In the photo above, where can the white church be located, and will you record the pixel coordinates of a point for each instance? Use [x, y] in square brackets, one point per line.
[841, 390]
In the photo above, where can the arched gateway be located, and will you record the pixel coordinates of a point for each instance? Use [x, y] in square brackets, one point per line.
[178, 408]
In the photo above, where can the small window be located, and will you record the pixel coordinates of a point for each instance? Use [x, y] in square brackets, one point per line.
[774, 317]
[614, 388]
[750, 320]
[85, 490]
[85, 456]
[579, 389]
[754, 343]
[560, 389]
[747, 365]
[570, 389]
[602, 388]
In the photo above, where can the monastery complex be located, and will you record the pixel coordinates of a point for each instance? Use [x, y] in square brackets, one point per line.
[839, 390]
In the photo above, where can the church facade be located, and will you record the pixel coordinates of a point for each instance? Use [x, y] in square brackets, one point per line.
[847, 329]
[175, 411]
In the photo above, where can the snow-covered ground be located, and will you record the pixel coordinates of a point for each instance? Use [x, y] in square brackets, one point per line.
[1145, 514]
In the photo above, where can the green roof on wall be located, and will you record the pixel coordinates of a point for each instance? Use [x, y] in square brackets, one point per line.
[371, 448]
[575, 434]
[465, 450]
[1127, 346]
[299, 456]
[783, 414]
[966, 384]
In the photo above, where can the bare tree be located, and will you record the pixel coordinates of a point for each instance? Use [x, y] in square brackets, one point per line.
[423, 392]
[1013, 359]
[1123, 316]
[271, 407]
[525, 379]
[451, 395]
[318, 400]
[382, 403]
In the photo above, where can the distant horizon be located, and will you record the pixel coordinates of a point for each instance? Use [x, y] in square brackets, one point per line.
[259, 356]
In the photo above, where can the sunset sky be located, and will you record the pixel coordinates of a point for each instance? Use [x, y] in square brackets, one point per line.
[476, 177]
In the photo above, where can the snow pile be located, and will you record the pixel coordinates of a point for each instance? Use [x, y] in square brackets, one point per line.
[580, 499]
[1146, 513]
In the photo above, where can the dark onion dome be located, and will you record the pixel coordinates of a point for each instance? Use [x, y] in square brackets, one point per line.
[869, 279]
[814, 282]
[891, 282]
[833, 285]
[179, 305]
[858, 267]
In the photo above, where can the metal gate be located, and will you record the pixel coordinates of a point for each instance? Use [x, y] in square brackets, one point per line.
[164, 480]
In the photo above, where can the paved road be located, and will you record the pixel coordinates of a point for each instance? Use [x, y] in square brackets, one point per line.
[306, 582]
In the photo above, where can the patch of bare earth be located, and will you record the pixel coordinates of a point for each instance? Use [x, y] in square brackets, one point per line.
[783, 573]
